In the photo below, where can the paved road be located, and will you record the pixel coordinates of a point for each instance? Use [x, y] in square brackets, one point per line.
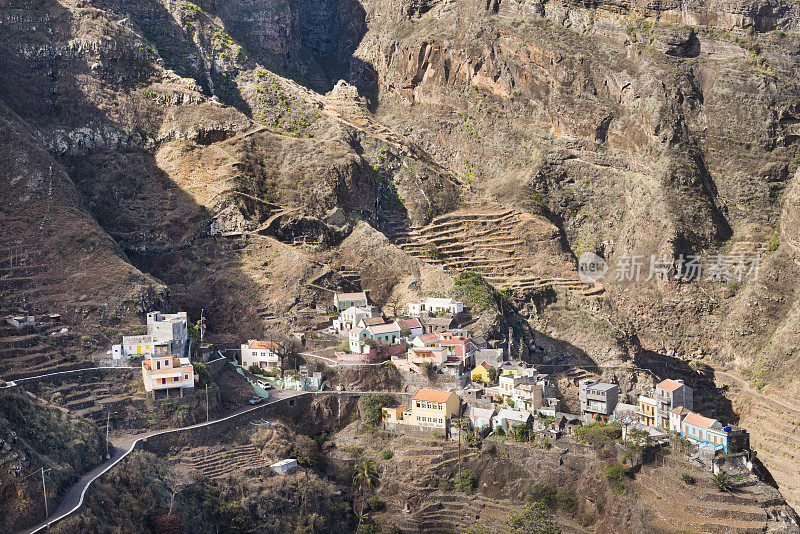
[747, 388]
[124, 445]
[14, 383]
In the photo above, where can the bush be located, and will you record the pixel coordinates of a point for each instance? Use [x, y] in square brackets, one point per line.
[446, 484]
[510, 402]
[372, 405]
[687, 479]
[565, 499]
[375, 504]
[722, 481]
[254, 370]
[306, 450]
[616, 471]
[202, 372]
[386, 454]
[597, 432]
[542, 493]
[466, 482]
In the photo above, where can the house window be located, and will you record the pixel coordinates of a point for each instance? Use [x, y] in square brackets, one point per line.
[186, 377]
[163, 380]
[158, 364]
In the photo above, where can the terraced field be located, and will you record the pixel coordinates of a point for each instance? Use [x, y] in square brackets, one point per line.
[216, 463]
[750, 508]
[499, 244]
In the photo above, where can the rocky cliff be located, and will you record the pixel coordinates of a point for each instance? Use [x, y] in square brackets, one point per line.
[206, 155]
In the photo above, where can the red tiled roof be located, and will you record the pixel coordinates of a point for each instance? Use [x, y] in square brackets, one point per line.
[409, 323]
[361, 295]
[698, 420]
[428, 338]
[373, 321]
[433, 395]
[383, 328]
[269, 345]
[669, 385]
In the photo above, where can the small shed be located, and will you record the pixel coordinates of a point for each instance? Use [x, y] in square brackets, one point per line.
[284, 466]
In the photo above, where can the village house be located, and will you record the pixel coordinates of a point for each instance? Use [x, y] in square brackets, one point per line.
[676, 417]
[425, 340]
[431, 409]
[434, 305]
[162, 328]
[598, 399]
[413, 326]
[507, 383]
[481, 373]
[516, 368]
[262, 354]
[671, 394]
[163, 371]
[705, 431]
[371, 321]
[438, 324]
[646, 414]
[507, 419]
[416, 357]
[481, 417]
[350, 317]
[342, 301]
[528, 396]
[459, 348]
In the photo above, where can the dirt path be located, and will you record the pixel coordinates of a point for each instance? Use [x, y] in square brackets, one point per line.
[745, 385]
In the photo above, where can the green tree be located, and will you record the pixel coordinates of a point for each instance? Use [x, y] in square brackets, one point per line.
[492, 371]
[202, 372]
[365, 480]
[534, 518]
[372, 405]
[722, 481]
[699, 370]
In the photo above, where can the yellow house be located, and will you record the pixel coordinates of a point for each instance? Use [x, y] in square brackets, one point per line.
[432, 409]
[393, 414]
[481, 373]
[646, 414]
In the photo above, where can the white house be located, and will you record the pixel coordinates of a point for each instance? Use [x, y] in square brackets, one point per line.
[164, 371]
[676, 417]
[342, 301]
[508, 419]
[262, 354]
[481, 417]
[413, 325]
[170, 329]
[388, 333]
[350, 317]
[284, 466]
[434, 305]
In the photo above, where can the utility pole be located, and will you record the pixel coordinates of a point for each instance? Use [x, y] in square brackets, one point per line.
[108, 424]
[206, 403]
[44, 494]
[202, 326]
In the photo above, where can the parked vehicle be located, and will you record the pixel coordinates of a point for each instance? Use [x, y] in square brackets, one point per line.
[255, 400]
[264, 384]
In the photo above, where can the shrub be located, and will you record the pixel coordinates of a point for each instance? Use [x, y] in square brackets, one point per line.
[254, 370]
[510, 402]
[597, 432]
[565, 499]
[466, 481]
[534, 517]
[638, 440]
[446, 484]
[541, 493]
[687, 478]
[722, 481]
[372, 405]
[375, 504]
[386, 454]
[202, 372]
[616, 471]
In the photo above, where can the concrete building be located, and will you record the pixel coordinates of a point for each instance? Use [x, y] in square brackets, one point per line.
[262, 354]
[413, 325]
[646, 414]
[481, 417]
[432, 409]
[676, 417]
[709, 432]
[434, 305]
[671, 394]
[171, 329]
[21, 321]
[342, 301]
[284, 466]
[507, 419]
[434, 325]
[162, 371]
[598, 399]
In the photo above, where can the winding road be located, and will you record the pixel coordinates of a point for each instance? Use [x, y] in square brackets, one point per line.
[123, 446]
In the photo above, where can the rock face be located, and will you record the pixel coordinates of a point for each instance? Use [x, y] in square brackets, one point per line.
[190, 155]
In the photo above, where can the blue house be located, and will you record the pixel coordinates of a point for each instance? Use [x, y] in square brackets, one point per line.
[710, 432]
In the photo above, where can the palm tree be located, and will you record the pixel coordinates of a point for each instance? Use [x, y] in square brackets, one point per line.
[365, 478]
[698, 369]
[722, 481]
